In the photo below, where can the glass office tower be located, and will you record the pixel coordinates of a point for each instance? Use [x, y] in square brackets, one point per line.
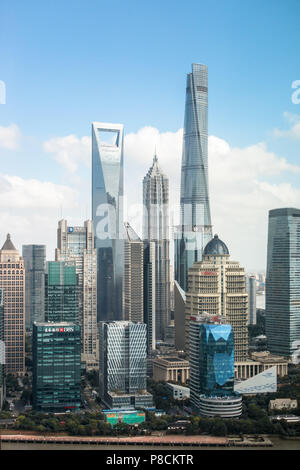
[61, 293]
[56, 366]
[107, 210]
[194, 231]
[34, 261]
[212, 367]
[283, 282]
[76, 246]
[123, 365]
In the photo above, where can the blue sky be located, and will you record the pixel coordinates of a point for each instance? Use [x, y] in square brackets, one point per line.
[67, 63]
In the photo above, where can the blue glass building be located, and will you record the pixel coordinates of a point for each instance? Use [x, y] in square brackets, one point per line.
[211, 358]
[107, 215]
[283, 282]
[195, 229]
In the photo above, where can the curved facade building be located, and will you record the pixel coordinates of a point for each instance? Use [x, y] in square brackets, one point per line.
[195, 222]
[221, 406]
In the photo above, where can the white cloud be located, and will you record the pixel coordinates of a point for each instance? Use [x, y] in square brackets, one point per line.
[239, 180]
[10, 137]
[70, 151]
[30, 210]
[16, 193]
[294, 131]
[240, 183]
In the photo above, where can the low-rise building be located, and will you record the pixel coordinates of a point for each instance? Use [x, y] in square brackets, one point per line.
[282, 404]
[179, 392]
[258, 362]
[171, 368]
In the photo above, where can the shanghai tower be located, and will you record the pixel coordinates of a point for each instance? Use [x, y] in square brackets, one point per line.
[195, 230]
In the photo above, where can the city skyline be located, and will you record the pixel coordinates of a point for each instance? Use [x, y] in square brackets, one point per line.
[47, 161]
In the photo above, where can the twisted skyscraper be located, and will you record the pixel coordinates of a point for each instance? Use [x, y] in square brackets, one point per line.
[194, 231]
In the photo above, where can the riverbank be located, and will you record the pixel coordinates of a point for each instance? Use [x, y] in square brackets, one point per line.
[26, 440]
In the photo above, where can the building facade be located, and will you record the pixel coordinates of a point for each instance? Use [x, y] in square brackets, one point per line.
[122, 371]
[35, 262]
[156, 229]
[212, 367]
[195, 229]
[61, 293]
[218, 286]
[179, 316]
[56, 366]
[2, 350]
[283, 282]
[107, 210]
[12, 281]
[149, 294]
[170, 368]
[133, 278]
[76, 246]
[251, 289]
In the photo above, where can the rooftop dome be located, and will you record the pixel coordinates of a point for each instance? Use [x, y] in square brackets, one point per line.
[216, 247]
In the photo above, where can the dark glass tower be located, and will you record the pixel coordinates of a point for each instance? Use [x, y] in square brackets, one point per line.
[56, 366]
[61, 293]
[283, 282]
[34, 261]
[194, 231]
[107, 210]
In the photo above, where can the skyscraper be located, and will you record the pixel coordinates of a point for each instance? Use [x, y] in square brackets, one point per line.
[212, 367]
[133, 287]
[195, 229]
[12, 281]
[139, 282]
[2, 351]
[75, 246]
[122, 368]
[107, 210]
[218, 286]
[251, 289]
[61, 293]
[179, 316]
[283, 282]
[156, 229]
[34, 261]
[56, 366]
[149, 294]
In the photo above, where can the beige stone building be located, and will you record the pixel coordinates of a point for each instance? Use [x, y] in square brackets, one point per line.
[75, 245]
[283, 404]
[12, 281]
[171, 369]
[259, 362]
[217, 286]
